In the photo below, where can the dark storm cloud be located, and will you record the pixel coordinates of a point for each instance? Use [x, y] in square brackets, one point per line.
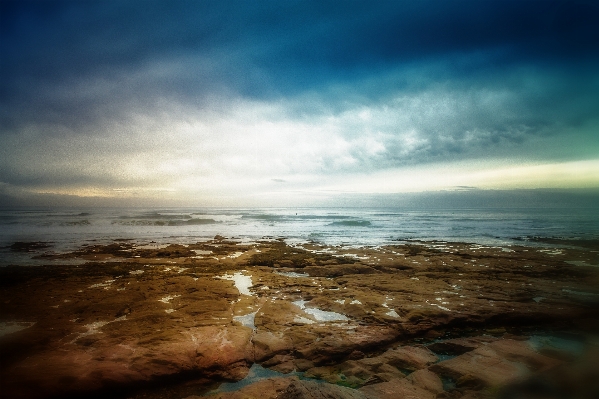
[259, 49]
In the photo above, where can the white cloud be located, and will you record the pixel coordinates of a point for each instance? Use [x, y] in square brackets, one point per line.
[242, 148]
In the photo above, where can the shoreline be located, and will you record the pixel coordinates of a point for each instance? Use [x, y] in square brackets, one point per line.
[183, 317]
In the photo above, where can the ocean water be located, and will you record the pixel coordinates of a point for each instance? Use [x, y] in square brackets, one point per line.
[68, 229]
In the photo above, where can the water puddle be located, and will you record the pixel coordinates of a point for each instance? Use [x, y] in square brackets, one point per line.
[320, 315]
[581, 293]
[235, 255]
[106, 284]
[565, 342]
[247, 320]
[391, 312]
[10, 327]
[442, 357]
[580, 263]
[256, 373]
[242, 282]
[293, 274]
[550, 342]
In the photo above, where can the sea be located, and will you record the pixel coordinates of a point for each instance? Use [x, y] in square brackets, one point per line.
[67, 229]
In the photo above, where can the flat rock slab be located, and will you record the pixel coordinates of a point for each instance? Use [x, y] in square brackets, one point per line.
[427, 380]
[459, 346]
[495, 364]
[315, 390]
[396, 389]
[289, 388]
[385, 367]
[409, 357]
[134, 317]
[270, 388]
[219, 351]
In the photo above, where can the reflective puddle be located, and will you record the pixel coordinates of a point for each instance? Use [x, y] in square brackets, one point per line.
[320, 315]
[242, 282]
[247, 320]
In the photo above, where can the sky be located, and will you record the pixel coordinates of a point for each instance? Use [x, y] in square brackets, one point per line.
[275, 103]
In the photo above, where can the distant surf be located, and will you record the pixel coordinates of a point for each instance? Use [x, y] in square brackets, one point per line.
[68, 229]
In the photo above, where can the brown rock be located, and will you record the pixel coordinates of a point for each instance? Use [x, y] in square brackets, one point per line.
[338, 270]
[576, 379]
[270, 388]
[284, 367]
[314, 390]
[426, 379]
[277, 359]
[387, 372]
[355, 373]
[303, 364]
[340, 343]
[169, 314]
[395, 389]
[268, 344]
[497, 363]
[409, 357]
[460, 346]
[219, 351]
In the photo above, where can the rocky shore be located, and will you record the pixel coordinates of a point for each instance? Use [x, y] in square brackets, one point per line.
[413, 320]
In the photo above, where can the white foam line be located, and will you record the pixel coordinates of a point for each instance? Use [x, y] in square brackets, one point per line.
[106, 284]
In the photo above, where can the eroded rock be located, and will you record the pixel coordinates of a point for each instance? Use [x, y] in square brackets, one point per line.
[498, 363]
[135, 315]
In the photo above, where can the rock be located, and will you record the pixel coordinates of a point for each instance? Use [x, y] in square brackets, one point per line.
[426, 379]
[387, 372]
[468, 394]
[338, 270]
[356, 355]
[270, 388]
[303, 364]
[460, 346]
[268, 344]
[285, 367]
[578, 379]
[495, 364]
[132, 316]
[433, 334]
[337, 344]
[276, 314]
[409, 357]
[395, 389]
[314, 390]
[218, 352]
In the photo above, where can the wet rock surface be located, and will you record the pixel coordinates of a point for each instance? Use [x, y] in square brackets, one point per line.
[421, 320]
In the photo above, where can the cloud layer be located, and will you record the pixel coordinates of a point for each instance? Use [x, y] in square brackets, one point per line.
[216, 99]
